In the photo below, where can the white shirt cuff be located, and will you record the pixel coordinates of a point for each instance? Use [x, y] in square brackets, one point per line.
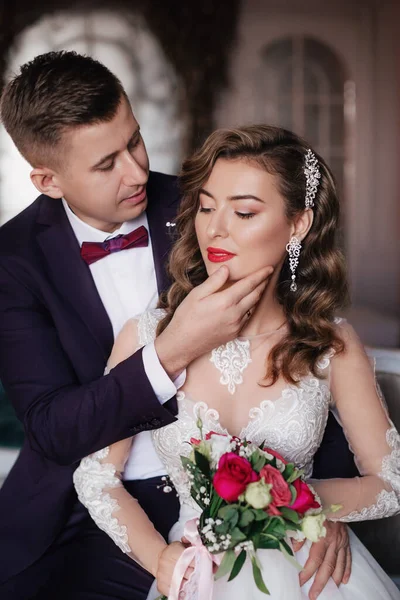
[162, 385]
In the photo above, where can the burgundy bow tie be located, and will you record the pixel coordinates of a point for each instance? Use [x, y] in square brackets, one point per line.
[94, 251]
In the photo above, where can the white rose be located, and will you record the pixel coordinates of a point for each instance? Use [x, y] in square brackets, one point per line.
[257, 494]
[220, 444]
[313, 527]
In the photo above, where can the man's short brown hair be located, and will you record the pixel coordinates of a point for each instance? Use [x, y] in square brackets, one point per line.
[53, 93]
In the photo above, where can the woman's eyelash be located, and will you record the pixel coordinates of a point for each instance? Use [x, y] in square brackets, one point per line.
[245, 215]
[203, 209]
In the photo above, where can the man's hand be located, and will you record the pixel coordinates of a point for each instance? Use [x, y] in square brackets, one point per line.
[166, 564]
[208, 317]
[330, 557]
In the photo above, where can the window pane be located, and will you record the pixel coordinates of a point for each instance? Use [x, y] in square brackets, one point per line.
[322, 55]
[337, 125]
[312, 123]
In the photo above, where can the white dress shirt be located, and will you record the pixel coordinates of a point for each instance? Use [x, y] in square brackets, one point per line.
[127, 285]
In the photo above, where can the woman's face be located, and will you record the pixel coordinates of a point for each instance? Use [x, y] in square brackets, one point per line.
[241, 220]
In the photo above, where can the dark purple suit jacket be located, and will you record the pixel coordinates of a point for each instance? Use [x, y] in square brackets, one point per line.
[55, 339]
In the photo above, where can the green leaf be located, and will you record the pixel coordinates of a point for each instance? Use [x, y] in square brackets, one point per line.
[295, 475]
[268, 542]
[258, 577]
[227, 512]
[186, 462]
[202, 463]
[290, 558]
[260, 514]
[239, 562]
[246, 518]
[287, 547]
[226, 565]
[215, 504]
[257, 461]
[237, 535]
[293, 492]
[289, 514]
[289, 470]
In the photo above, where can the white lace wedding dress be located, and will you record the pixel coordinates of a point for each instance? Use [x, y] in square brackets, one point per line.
[293, 425]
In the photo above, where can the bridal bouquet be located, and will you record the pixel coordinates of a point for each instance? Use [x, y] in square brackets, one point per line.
[250, 498]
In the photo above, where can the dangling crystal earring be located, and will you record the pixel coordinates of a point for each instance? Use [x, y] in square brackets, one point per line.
[293, 248]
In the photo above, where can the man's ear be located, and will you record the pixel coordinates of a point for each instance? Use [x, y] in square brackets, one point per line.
[302, 224]
[46, 182]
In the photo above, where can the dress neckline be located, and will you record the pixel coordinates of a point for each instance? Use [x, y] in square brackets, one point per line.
[254, 411]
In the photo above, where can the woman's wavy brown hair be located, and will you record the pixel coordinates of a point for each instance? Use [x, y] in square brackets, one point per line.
[321, 280]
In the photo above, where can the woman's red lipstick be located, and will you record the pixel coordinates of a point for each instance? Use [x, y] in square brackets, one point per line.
[217, 255]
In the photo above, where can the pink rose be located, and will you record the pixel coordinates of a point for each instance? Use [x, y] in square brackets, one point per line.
[280, 491]
[232, 476]
[272, 511]
[194, 441]
[305, 498]
[276, 454]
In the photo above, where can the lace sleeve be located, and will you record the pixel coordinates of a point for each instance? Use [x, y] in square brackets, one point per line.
[372, 438]
[98, 484]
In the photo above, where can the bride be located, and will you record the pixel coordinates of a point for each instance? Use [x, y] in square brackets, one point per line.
[253, 197]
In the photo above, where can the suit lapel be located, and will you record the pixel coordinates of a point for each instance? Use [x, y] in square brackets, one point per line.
[70, 274]
[160, 212]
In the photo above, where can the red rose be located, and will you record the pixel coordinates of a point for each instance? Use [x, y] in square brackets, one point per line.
[280, 491]
[194, 441]
[305, 498]
[232, 476]
[276, 454]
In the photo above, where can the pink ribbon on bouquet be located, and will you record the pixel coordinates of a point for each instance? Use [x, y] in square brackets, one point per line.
[204, 563]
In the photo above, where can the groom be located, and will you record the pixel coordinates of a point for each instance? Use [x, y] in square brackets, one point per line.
[86, 256]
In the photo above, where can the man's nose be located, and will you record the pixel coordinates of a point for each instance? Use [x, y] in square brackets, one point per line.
[133, 172]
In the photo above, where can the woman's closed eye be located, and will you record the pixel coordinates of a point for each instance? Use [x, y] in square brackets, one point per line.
[243, 215]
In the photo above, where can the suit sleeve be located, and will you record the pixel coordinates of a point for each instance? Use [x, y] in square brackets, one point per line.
[63, 419]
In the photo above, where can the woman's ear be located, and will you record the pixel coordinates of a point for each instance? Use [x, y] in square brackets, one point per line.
[302, 224]
[45, 181]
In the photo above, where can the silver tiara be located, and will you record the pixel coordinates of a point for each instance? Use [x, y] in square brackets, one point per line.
[313, 175]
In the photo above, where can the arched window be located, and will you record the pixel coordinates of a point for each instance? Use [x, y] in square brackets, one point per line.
[125, 45]
[303, 86]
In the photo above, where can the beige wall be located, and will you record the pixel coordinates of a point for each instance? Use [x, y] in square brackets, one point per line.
[366, 36]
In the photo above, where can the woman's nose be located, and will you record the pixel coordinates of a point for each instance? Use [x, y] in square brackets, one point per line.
[217, 226]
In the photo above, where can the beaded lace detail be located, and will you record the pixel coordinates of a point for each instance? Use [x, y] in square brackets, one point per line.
[231, 360]
[91, 478]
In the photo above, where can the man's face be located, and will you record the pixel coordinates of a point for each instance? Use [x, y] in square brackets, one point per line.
[106, 171]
